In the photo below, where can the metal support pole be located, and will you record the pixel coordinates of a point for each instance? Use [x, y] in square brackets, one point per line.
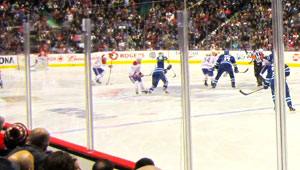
[279, 68]
[185, 88]
[88, 87]
[27, 74]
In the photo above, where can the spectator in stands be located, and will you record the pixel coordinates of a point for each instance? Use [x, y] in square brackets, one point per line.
[143, 162]
[76, 163]
[36, 143]
[58, 160]
[24, 159]
[2, 121]
[6, 164]
[15, 135]
[103, 164]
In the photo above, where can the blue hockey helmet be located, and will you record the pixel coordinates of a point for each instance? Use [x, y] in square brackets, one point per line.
[269, 58]
[226, 52]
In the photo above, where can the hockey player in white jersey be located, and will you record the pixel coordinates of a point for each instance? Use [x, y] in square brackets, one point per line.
[207, 65]
[98, 68]
[135, 75]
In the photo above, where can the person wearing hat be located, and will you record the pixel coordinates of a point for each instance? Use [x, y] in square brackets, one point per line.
[36, 143]
[15, 135]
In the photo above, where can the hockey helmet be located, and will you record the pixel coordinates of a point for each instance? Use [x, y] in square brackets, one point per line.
[226, 52]
[138, 59]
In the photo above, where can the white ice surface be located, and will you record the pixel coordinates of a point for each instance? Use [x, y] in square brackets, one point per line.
[229, 130]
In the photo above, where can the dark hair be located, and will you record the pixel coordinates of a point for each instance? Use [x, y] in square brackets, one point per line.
[58, 160]
[103, 164]
[2, 121]
[143, 162]
[39, 137]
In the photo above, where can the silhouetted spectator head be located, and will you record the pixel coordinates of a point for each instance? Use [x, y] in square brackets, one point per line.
[103, 164]
[58, 160]
[6, 164]
[2, 121]
[24, 159]
[40, 138]
[143, 162]
[149, 167]
[15, 135]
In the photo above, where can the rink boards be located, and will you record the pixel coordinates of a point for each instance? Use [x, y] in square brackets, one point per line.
[126, 57]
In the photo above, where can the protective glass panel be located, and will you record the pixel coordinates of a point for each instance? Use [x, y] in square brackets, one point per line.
[137, 111]
[12, 77]
[231, 128]
[58, 74]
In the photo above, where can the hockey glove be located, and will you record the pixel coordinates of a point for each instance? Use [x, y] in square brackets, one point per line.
[266, 86]
[169, 67]
[141, 74]
[236, 70]
[216, 67]
[165, 71]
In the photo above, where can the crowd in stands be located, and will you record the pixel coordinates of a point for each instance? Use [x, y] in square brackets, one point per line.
[20, 150]
[144, 24]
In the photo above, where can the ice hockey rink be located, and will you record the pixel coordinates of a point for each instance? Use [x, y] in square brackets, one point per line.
[229, 130]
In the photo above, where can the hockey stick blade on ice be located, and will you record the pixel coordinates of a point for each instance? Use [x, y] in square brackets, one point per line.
[244, 71]
[250, 92]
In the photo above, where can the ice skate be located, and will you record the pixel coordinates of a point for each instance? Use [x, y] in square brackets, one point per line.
[144, 91]
[292, 109]
[213, 85]
[150, 91]
[233, 85]
[205, 83]
[165, 90]
[98, 81]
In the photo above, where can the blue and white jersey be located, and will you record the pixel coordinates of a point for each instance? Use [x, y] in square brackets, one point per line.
[160, 64]
[226, 60]
[270, 73]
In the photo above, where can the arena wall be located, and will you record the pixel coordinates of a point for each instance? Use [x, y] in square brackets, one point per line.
[126, 57]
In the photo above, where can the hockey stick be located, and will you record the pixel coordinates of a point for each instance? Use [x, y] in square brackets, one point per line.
[244, 71]
[110, 68]
[250, 92]
[174, 74]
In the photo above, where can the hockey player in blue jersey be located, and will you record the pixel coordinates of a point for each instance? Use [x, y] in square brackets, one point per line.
[224, 64]
[159, 73]
[270, 81]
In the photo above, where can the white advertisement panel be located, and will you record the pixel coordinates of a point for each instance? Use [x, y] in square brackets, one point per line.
[126, 57]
